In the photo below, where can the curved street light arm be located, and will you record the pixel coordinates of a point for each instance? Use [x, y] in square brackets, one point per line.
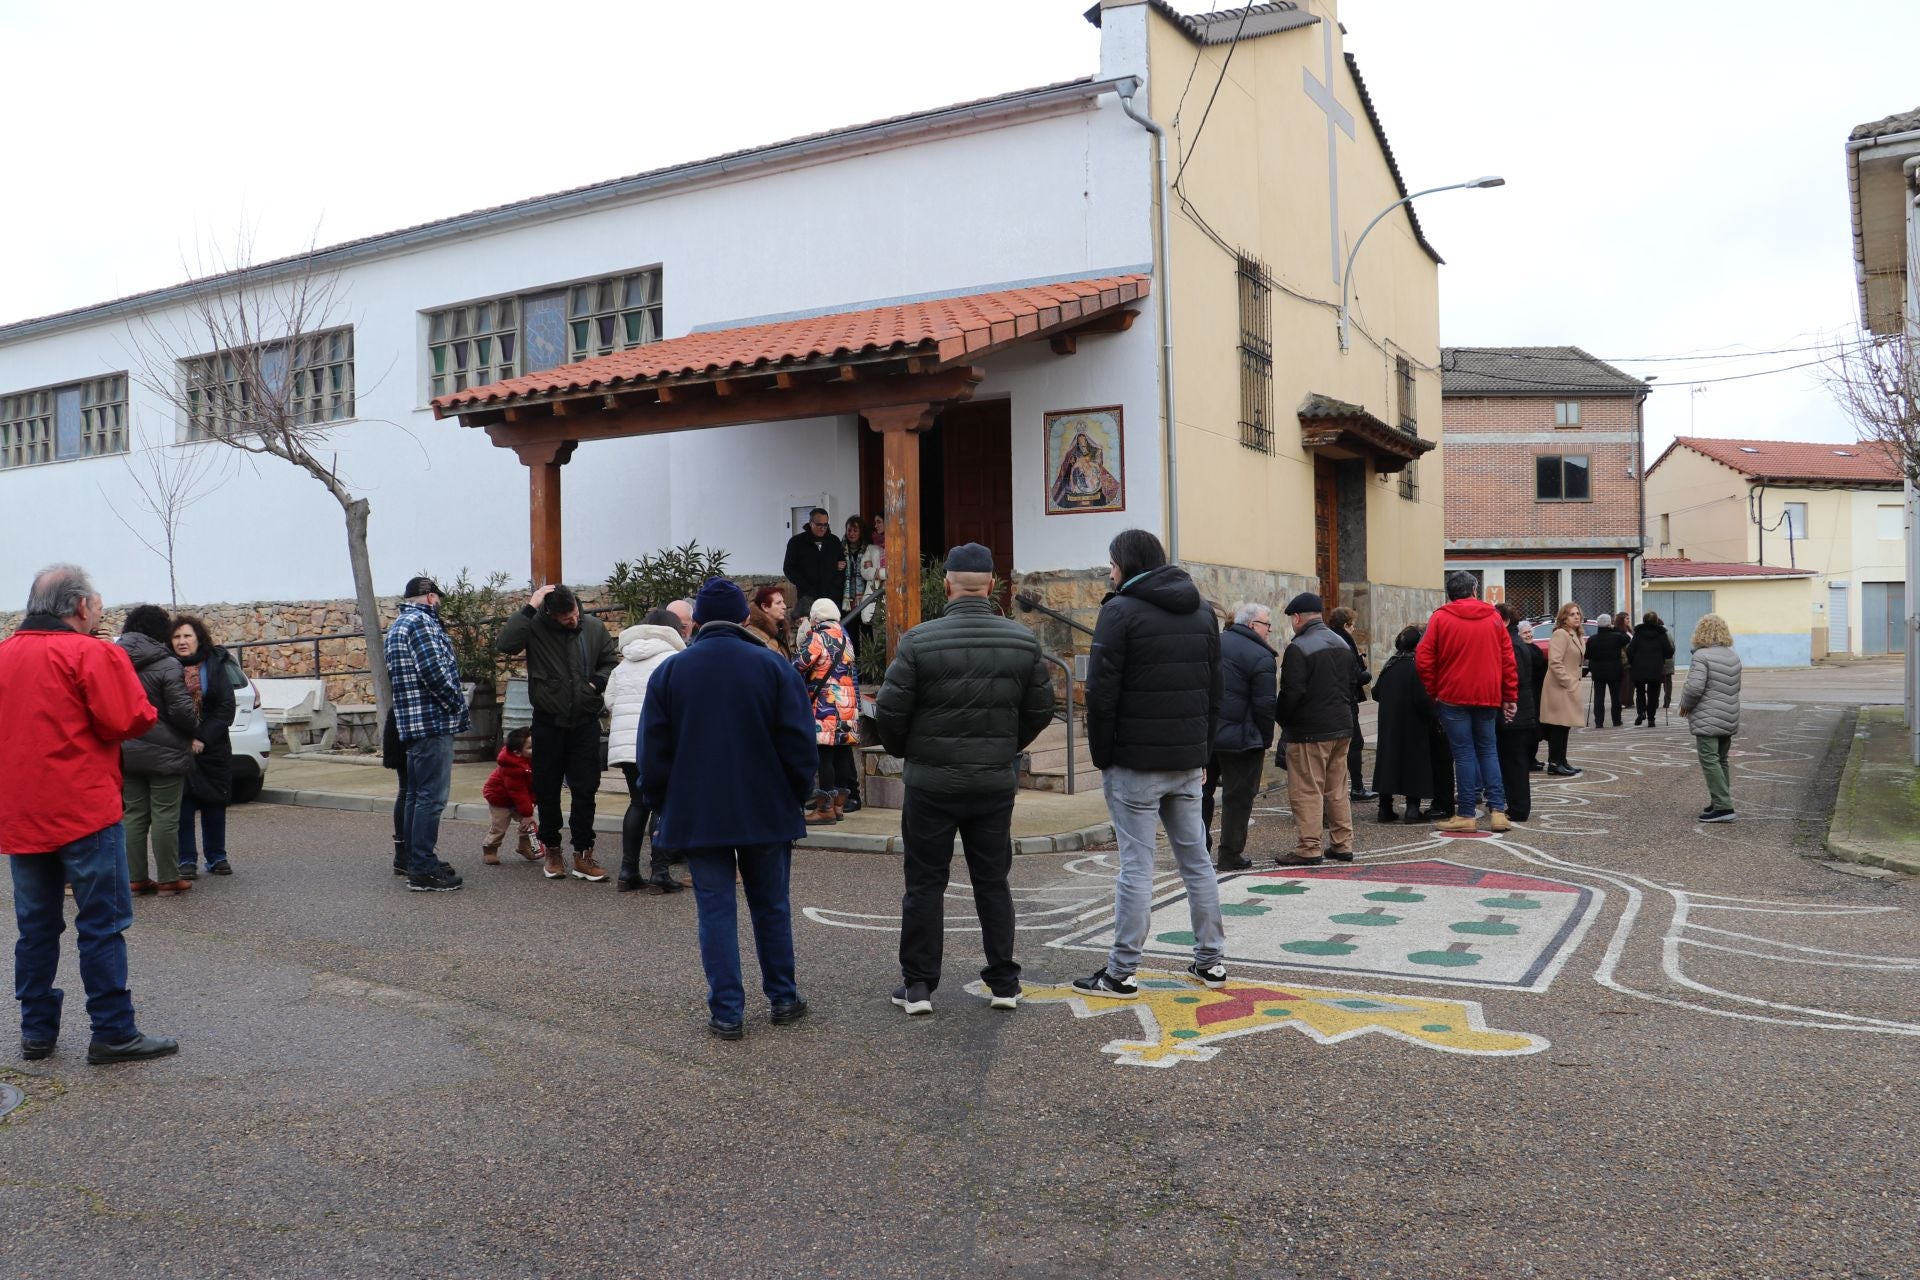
[1346, 276]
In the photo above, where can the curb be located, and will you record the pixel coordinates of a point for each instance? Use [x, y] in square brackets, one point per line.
[609, 824]
[1846, 850]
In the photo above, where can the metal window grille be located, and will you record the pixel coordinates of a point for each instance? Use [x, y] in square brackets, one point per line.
[58, 424]
[1593, 591]
[1530, 592]
[1410, 482]
[483, 342]
[1403, 382]
[313, 375]
[1256, 354]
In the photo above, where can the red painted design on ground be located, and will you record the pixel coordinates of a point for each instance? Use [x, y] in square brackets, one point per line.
[1240, 1002]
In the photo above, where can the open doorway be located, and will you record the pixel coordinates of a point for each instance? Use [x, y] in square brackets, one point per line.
[966, 480]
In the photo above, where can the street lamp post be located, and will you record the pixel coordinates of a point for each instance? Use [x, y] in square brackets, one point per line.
[1346, 277]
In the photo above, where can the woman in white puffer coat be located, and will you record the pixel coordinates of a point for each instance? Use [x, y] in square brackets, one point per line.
[642, 649]
[1711, 703]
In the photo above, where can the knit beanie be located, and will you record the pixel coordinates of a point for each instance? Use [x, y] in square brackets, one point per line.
[719, 601]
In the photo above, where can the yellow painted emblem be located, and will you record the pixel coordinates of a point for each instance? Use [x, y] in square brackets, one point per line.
[1182, 1021]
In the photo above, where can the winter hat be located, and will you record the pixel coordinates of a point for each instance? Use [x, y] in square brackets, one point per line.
[719, 601]
[1305, 602]
[969, 557]
[824, 610]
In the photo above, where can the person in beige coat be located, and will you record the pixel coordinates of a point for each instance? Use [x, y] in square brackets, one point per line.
[1560, 707]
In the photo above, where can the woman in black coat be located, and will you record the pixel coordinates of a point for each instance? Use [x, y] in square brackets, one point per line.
[1516, 735]
[1647, 656]
[1403, 761]
[1606, 653]
[210, 784]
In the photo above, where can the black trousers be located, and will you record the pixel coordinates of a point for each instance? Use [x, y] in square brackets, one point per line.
[1647, 696]
[1515, 750]
[838, 772]
[928, 821]
[1239, 772]
[569, 755]
[633, 832]
[1556, 736]
[1356, 776]
[1601, 688]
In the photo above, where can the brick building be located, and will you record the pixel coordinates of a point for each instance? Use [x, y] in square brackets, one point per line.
[1543, 475]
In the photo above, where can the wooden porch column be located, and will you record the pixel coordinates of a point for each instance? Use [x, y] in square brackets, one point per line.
[543, 462]
[900, 427]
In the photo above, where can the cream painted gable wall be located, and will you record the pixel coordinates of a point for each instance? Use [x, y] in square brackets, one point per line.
[1705, 505]
[1259, 178]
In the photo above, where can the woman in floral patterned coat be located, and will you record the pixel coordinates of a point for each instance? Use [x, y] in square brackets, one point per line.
[825, 661]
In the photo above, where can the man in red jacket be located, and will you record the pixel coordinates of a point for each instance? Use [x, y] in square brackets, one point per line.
[67, 701]
[1465, 660]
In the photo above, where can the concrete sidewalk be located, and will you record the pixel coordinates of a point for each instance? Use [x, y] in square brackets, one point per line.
[1043, 822]
[1876, 816]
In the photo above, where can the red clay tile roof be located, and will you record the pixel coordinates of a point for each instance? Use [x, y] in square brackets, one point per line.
[1717, 569]
[950, 330]
[1864, 462]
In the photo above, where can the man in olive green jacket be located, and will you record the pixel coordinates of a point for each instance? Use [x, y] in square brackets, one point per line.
[964, 696]
[569, 657]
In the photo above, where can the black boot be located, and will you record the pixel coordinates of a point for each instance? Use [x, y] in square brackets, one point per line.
[399, 856]
[1387, 813]
[633, 829]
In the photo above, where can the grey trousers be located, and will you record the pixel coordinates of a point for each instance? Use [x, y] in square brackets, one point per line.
[1138, 800]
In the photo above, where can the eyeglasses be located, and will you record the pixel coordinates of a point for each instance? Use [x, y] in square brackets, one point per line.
[1266, 623]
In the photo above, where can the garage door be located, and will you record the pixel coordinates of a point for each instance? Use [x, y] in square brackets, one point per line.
[1880, 622]
[1837, 638]
[1680, 610]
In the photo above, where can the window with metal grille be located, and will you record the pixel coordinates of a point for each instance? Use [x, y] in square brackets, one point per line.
[1593, 591]
[234, 390]
[1403, 383]
[59, 424]
[1530, 592]
[482, 342]
[1410, 482]
[1256, 354]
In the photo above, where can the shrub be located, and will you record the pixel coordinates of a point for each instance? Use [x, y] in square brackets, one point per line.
[656, 580]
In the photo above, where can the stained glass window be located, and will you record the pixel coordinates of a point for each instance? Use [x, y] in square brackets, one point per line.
[485, 342]
[57, 424]
[311, 376]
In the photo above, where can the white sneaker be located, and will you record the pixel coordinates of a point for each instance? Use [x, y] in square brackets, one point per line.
[913, 997]
[1004, 1002]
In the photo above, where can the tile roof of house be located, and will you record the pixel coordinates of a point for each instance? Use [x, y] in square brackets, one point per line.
[1716, 569]
[1221, 27]
[1531, 371]
[571, 200]
[1903, 122]
[948, 330]
[1779, 461]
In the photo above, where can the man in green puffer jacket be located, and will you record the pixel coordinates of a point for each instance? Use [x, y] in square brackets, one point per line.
[569, 657]
[964, 696]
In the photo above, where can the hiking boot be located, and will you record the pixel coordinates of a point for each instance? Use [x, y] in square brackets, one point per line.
[1214, 975]
[821, 811]
[913, 997]
[1498, 821]
[556, 868]
[1299, 858]
[1457, 824]
[1106, 986]
[490, 856]
[438, 882]
[585, 868]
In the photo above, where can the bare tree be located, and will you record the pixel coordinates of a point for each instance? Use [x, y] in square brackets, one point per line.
[259, 358]
[167, 479]
[1877, 382]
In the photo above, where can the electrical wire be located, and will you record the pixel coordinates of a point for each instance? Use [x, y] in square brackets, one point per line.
[1224, 64]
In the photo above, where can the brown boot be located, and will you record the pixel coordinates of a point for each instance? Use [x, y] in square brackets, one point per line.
[556, 868]
[1498, 821]
[1457, 824]
[821, 811]
[490, 854]
[839, 805]
[585, 868]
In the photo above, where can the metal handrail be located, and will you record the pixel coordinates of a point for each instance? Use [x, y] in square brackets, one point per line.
[1067, 670]
[1030, 605]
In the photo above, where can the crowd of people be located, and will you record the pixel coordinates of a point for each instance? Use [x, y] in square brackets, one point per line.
[734, 739]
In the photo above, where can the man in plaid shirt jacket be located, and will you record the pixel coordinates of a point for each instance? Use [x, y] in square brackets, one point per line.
[429, 707]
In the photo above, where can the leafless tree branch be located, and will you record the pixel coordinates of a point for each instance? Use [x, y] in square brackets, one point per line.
[1876, 382]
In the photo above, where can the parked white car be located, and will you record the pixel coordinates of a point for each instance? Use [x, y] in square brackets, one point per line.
[251, 744]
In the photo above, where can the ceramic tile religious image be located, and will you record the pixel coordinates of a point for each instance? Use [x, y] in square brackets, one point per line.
[1086, 467]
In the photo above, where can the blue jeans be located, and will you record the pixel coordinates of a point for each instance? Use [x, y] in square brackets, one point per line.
[1476, 756]
[1138, 801]
[213, 824]
[96, 867]
[763, 874]
[429, 776]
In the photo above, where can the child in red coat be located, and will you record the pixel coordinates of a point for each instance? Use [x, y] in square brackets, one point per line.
[509, 794]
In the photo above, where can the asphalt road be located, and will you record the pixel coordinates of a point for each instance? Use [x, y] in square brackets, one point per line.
[1702, 1064]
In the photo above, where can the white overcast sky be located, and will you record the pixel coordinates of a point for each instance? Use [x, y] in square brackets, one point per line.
[1675, 170]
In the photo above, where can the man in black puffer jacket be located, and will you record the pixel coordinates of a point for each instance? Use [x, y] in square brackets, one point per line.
[1153, 699]
[1317, 675]
[964, 695]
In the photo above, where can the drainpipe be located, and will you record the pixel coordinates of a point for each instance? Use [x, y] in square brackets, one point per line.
[1163, 268]
[1640, 484]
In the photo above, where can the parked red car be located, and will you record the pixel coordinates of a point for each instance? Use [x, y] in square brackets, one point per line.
[1541, 629]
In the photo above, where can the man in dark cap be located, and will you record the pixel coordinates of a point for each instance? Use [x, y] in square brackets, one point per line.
[569, 659]
[727, 760]
[429, 707]
[965, 694]
[1317, 672]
